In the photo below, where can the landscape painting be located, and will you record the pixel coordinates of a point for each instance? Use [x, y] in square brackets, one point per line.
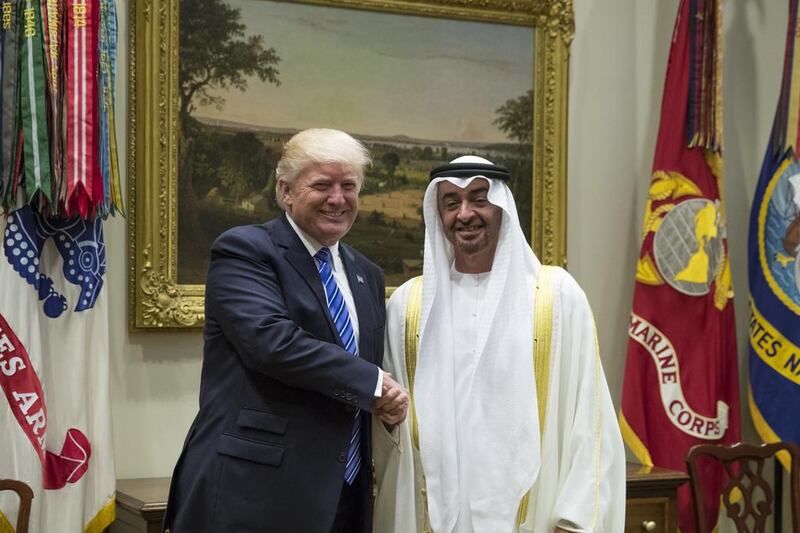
[418, 91]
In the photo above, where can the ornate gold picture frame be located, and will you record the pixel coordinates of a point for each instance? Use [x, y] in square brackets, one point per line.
[159, 297]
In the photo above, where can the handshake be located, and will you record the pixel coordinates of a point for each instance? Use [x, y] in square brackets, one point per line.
[392, 406]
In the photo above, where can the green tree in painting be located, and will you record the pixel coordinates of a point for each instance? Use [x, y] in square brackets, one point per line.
[245, 166]
[390, 160]
[215, 56]
[515, 118]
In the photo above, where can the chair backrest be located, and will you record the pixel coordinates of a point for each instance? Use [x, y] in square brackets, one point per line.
[25, 498]
[748, 497]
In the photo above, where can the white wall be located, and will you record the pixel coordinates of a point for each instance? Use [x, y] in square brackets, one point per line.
[617, 72]
[154, 376]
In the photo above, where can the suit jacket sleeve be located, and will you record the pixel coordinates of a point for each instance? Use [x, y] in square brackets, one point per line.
[245, 296]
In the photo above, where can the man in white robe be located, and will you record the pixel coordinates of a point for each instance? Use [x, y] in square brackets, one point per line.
[472, 456]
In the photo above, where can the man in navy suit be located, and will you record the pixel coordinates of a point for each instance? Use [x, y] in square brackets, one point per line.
[293, 343]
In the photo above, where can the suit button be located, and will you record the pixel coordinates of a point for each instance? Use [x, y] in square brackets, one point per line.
[342, 457]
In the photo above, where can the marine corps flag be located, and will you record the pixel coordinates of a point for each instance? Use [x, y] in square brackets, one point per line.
[774, 266]
[681, 384]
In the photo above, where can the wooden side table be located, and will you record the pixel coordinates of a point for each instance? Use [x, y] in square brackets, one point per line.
[652, 499]
[651, 502]
[140, 505]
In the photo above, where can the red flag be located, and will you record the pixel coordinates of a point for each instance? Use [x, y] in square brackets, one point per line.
[84, 181]
[681, 384]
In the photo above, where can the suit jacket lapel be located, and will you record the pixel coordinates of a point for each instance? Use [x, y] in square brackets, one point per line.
[297, 256]
[361, 296]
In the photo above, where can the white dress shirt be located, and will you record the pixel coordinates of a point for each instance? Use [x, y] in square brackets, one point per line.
[468, 293]
[340, 275]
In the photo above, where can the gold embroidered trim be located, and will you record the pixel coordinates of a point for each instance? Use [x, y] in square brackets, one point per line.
[413, 312]
[542, 339]
[633, 442]
[598, 433]
[764, 430]
[103, 518]
[5, 525]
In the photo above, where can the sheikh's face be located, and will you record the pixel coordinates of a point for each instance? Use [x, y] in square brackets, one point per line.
[471, 223]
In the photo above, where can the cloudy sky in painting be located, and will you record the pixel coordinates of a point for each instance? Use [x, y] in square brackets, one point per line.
[380, 74]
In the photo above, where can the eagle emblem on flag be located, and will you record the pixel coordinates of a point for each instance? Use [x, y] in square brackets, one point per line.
[779, 226]
[78, 241]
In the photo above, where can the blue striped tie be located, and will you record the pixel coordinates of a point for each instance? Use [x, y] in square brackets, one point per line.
[341, 319]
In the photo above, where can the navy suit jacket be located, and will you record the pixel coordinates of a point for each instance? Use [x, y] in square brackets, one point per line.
[278, 392]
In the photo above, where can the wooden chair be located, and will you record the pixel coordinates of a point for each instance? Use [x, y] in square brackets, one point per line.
[744, 464]
[25, 498]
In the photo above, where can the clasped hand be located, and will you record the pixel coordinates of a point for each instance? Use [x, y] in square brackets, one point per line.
[392, 406]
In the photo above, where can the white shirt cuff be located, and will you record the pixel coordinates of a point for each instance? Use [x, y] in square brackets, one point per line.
[379, 386]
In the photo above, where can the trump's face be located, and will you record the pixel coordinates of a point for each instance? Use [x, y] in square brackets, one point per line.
[471, 223]
[323, 200]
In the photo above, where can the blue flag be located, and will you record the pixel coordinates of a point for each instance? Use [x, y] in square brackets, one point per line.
[774, 267]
